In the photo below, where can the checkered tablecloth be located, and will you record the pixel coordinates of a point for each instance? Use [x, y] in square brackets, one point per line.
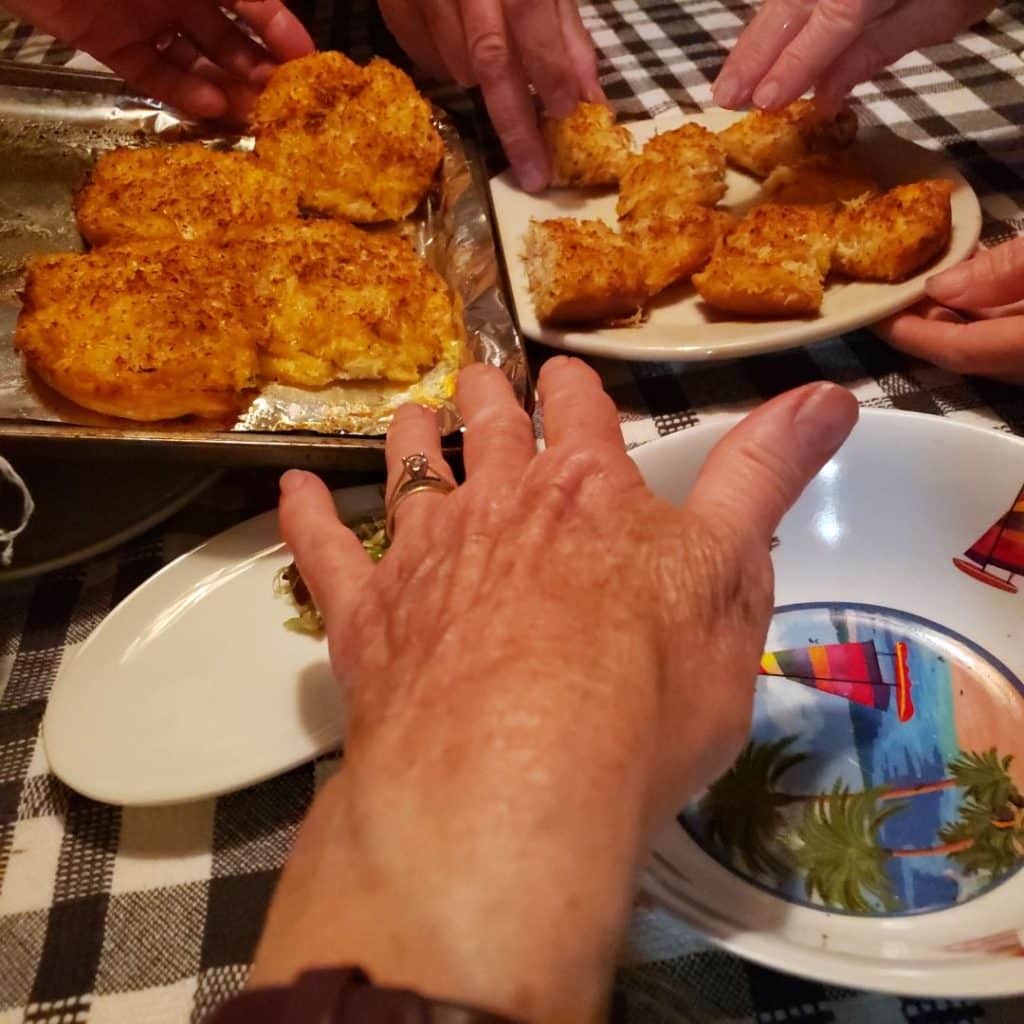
[121, 916]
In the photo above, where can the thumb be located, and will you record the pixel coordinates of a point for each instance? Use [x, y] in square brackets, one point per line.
[756, 472]
[993, 277]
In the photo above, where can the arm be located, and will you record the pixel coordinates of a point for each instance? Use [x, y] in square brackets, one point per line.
[522, 712]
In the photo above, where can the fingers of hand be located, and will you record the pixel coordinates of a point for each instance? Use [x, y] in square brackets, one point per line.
[833, 27]
[986, 348]
[756, 472]
[505, 86]
[577, 411]
[444, 20]
[580, 47]
[907, 26]
[146, 71]
[774, 27]
[498, 442]
[330, 558]
[281, 32]
[220, 39]
[993, 277]
[414, 430]
[537, 28]
[406, 22]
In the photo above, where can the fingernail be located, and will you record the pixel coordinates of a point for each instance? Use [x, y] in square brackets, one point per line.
[260, 75]
[822, 421]
[293, 481]
[726, 90]
[533, 177]
[766, 95]
[949, 283]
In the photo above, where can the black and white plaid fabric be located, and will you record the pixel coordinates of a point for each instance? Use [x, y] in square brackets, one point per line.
[121, 916]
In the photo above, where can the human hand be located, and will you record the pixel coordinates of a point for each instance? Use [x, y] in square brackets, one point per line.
[973, 319]
[187, 54]
[832, 45]
[505, 47]
[547, 663]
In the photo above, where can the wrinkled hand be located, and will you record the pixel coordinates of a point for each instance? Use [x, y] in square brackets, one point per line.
[505, 47]
[188, 54]
[832, 45]
[973, 319]
[547, 663]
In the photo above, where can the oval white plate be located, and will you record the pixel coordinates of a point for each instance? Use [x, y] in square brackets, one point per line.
[879, 527]
[192, 686]
[680, 327]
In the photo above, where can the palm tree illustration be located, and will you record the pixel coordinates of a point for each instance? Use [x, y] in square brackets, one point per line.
[840, 853]
[836, 842]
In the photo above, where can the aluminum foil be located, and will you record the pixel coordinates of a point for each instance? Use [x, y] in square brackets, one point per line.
[50, 137]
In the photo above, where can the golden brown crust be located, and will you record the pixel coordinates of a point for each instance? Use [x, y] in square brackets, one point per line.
[674, 170]
[146, 332]
[892, 236]
[820, 179]
[342, 304]
[183, 192]
[587, 149]
[580, 271]
[360, 140]
[673, 248]
[159, 330]
[764, 139]
[772, 263]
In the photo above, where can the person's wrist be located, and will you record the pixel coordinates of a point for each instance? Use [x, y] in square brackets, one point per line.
[420, 901]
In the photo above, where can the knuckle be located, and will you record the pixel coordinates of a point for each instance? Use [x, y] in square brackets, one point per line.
[844, 13]
[490, 55]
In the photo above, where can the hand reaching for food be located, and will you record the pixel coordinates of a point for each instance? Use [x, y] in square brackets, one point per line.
[506, 762]
[507, 47]
[190, 55]
[973, 319]
[832, 45]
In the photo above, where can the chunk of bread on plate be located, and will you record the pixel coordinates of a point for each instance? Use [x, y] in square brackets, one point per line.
[826, 178]
[672, 248]
[675, 169]
[892, 236]
[581, 271]
[772, 263]
[587, 149]
[764, 139]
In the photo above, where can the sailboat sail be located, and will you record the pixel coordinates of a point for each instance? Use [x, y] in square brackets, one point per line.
[846, 670]
[1002, 545]
[849, 670]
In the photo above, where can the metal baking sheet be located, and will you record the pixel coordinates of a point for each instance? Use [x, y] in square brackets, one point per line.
[53, 124]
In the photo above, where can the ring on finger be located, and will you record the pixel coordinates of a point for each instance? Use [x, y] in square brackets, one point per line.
[417, 475]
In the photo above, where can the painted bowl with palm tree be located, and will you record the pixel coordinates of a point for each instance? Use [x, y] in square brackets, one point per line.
[872, 830]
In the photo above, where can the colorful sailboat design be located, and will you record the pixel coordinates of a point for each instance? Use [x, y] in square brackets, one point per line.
[851, 671]
[1000, 547]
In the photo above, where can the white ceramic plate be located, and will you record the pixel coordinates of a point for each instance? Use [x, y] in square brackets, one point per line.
[866, 557]
[680, 326]
[192, 686]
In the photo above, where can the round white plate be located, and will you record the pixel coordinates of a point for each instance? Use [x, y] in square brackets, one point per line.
[193, 686]
[680, 326]
[867, 557]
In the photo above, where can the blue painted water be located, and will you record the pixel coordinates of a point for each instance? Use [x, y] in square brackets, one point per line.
[866, 748]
